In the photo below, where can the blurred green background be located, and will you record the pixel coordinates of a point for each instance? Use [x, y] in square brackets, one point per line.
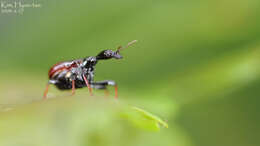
[196, 65]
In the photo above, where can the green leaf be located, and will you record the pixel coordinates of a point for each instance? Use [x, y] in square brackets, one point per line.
[143, 119]
[151, 116]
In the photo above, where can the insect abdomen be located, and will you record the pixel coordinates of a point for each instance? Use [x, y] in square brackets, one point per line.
[60, 67]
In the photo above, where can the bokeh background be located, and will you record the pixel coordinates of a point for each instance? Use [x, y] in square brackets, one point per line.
[196, 65]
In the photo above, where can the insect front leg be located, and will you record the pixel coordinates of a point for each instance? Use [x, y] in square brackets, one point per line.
[87, 84]
[88, 77]
[104, 84]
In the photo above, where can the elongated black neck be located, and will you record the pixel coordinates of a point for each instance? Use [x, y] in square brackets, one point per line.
[101, 56]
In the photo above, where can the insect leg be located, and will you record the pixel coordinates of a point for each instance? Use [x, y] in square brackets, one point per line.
[116, 91]
[46, 91]
[87, 83]
[100, 86]
[73, 87]
[103, 84]
[47, 88]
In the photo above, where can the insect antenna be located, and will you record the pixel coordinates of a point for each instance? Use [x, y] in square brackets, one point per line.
[129, 44]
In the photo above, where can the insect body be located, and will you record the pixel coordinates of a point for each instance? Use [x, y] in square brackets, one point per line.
[79, 73]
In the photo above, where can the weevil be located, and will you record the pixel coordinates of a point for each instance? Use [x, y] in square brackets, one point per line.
[79, 73]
